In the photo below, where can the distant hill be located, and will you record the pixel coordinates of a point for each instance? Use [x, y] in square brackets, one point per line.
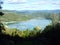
[13, 15]
[32, 11]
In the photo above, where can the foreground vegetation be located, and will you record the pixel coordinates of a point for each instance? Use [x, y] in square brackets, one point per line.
[49, 36]
[22, 33]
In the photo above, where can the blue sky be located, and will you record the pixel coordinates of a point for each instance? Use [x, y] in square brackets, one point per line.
[31, 4]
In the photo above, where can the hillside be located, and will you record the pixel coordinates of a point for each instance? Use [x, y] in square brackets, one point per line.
[12, 15]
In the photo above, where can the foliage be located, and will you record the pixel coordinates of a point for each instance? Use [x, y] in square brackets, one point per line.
[26, 33]
[55, 18]
[49, 36]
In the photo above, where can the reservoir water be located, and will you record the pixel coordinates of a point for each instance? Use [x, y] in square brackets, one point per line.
[30, 24]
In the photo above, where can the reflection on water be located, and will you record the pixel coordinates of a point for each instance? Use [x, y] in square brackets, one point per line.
[31, 24]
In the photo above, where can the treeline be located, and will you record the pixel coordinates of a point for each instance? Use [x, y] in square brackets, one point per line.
[49, 36]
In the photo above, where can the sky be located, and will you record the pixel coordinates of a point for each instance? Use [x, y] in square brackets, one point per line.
[31, 4]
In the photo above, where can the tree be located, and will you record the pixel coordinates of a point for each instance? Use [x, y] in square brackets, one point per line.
[37, 28]
[1, 14]
[35, 31]
[27, 32]
[55, 18]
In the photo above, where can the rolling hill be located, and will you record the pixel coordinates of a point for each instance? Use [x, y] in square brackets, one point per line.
[13, 15]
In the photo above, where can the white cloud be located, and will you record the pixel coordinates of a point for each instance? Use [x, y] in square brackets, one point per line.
[15, 1]
[56, 3]
[40, 2]
[46, 2]
[33, 4]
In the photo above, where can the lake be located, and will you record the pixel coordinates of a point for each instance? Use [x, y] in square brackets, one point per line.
[30, 24]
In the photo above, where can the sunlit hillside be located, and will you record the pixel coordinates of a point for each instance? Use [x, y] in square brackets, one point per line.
[28, 14]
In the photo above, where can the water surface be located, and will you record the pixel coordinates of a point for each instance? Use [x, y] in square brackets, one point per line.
[30, 24]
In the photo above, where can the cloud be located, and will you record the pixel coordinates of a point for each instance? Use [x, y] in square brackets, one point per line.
[40, 2]
[47, 2]
[56, 3]
[33, 4]
[15, 1]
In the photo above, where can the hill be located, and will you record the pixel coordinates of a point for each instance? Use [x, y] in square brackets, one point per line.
[13, 15]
